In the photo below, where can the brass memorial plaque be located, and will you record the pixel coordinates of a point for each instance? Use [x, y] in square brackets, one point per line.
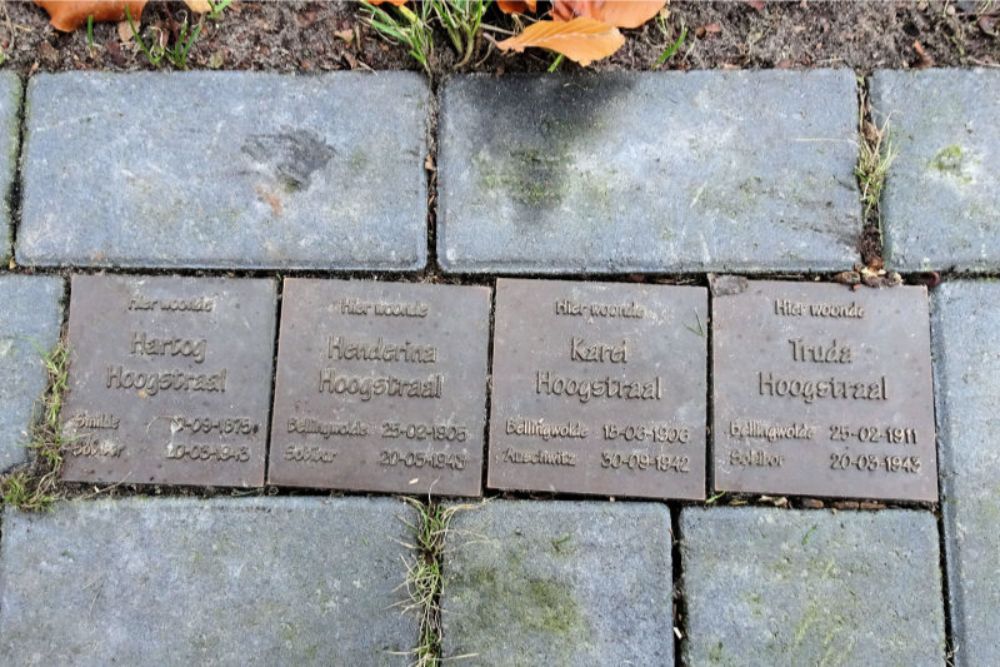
[599, 388]
[821, 390]
[381, 387]
[169, 380]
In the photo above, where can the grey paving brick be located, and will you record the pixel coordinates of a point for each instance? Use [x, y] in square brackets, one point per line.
[559, 583]
[941, 204]
[727, 171]
[966, 344]
[155, 581]
[225, 169]
[10, 104]
[30, 319]
[765, 586]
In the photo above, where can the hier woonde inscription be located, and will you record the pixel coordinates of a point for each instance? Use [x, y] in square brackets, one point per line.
[825, 391]
[381, 387]
[168, 380]
[599, 388]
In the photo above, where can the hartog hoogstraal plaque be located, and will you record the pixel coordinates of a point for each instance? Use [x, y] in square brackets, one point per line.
[599, 388]
[381, 387]
[169, 380]
[822, 390]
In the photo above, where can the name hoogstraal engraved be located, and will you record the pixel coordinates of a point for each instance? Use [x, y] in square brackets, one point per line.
[824, 391]
[381, 387]
[599, 388]
[168, 380]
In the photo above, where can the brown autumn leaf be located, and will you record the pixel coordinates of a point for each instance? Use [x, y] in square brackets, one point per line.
[517, 6]
[125, 33]
[925, 58]
[618, 13]
[68, 15]
[582, 40]
[198, 6]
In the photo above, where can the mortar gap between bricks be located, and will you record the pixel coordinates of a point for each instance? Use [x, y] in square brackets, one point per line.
[484, 476]
[875, 157]
[14, 192]
[269, 427]
[677, 571]
[951, 646]
[433, 269]
[35, 484]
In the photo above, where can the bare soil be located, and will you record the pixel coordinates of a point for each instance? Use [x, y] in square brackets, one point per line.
[321, 36]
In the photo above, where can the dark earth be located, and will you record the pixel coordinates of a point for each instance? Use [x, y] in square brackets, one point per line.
[320, 36]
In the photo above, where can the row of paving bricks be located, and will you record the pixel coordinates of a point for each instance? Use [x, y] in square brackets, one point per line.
[750, 171]
[311, 581]
[567, 580]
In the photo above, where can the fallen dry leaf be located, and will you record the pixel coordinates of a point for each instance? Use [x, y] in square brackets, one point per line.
[708, 29]
[198, 6]
[925, 58]
[125, 33]
[931, 279]
[517, 6]
[68, 15]
[988, 25]
[347, 35]
[619, 13]
[582, 40]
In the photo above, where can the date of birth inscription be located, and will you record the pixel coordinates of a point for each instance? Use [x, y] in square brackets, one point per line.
[208, 425]
[889, 435]
[439, 432]
[871, 463]
[656, 432]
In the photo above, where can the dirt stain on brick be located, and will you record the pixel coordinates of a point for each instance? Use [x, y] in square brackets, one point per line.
[291, 157]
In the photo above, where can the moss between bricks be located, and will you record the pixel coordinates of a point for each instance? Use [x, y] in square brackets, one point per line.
[35, 486]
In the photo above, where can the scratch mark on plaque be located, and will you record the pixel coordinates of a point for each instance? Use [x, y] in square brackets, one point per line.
[700, 329]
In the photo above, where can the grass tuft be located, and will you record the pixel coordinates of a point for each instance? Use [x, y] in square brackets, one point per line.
[404, 26]
[674, 46]
[425, 576]
[158, 51]
[36, 487]
[460, 20]
[875, 157]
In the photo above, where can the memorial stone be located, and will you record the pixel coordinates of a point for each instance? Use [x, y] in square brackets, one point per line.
[381, 387]
[169, 381]
[599, 388]
[823, 391]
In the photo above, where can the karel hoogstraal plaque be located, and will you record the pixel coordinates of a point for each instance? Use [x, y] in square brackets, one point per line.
[599, 388]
